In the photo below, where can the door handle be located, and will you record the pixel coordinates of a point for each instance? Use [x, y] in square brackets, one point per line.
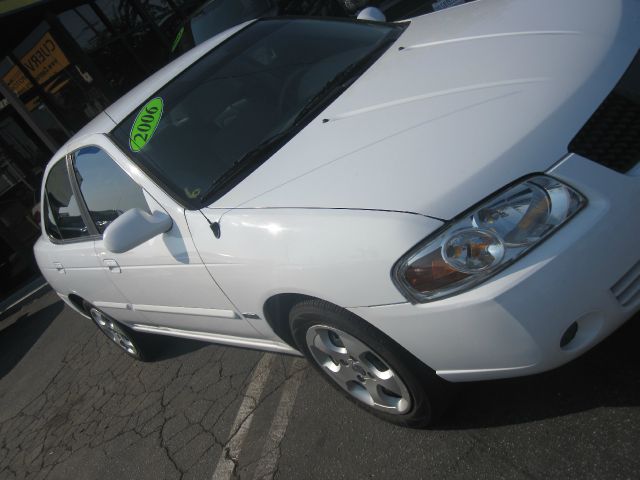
[112, 265]
[58, 266]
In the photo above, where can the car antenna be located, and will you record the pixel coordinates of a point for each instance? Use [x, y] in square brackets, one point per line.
[214, 226]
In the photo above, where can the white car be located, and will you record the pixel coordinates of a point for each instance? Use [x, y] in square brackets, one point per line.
[446, 199]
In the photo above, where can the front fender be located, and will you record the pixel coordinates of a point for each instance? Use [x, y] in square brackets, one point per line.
[342, 256]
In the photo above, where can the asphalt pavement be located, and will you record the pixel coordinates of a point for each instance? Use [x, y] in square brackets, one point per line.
[74, 407]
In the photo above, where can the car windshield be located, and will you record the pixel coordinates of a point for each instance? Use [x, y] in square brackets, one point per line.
[223, 116]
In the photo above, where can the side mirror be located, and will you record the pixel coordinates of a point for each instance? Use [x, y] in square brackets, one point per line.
[133, 228]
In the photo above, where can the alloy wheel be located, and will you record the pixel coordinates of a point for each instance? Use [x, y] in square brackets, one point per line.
[111, 329]
[358, 370]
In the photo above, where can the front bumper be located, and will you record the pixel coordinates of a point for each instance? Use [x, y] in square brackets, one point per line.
[513, 324]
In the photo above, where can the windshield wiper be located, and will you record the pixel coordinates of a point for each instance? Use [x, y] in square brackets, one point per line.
[257, 154]
[334, 86]
[248, 162]
[252, 159]
[340, 82]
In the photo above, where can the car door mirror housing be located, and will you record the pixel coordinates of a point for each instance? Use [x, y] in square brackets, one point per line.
[133, 228]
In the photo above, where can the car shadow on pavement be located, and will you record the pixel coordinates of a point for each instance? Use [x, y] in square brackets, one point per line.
[18, 338]
[607, 376]
[166, 347]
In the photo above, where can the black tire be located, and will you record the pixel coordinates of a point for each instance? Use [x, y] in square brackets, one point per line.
[141, 346]
[429, 393]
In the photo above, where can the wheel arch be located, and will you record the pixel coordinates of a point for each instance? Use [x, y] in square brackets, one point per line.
[78, 303]
[276, 313]
[278, 307]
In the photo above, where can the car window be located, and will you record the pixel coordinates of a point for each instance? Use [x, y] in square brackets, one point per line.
[62, 218]
[198, 130]
[107, 190]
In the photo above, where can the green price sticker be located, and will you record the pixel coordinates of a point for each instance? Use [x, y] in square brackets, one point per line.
[145, 124]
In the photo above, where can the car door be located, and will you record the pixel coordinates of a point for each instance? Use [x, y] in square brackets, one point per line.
[67, 250]
[163, 279]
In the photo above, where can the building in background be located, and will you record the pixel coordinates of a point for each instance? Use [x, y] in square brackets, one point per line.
[61, 63]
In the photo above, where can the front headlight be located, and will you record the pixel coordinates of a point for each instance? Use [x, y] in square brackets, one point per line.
[486, 239]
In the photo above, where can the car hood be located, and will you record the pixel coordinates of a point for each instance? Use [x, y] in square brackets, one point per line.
[467, 100]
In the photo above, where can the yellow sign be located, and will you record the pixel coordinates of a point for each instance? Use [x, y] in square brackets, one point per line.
[16, 81]
[43, 61]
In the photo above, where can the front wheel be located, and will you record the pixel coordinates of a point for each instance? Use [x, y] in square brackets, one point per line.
[367, 366]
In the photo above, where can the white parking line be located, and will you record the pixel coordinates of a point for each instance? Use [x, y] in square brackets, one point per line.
[24, 297]
[242, 422]
[270, 452]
